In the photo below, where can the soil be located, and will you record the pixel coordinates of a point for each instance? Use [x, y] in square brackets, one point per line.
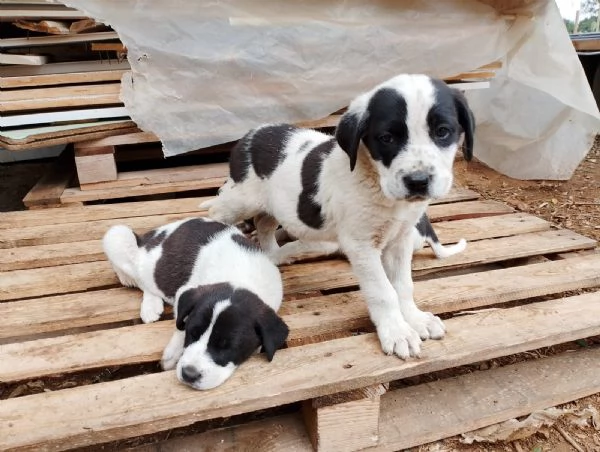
[573, 204]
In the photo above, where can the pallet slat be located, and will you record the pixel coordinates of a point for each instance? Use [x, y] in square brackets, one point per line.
[428, 412]
[143, 343]
[110, 411]
[61, 79]
[26, 318]
[80, 229]
[91, 250]
[436, 410]
[300, 277]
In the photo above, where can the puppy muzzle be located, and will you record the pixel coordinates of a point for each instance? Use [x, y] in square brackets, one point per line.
[417, 185]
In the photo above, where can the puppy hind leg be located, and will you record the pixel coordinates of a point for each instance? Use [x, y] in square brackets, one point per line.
[266, 226]
[298, 249]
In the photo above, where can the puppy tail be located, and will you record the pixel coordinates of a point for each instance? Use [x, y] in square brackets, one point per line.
[443, 251]
[121, 249]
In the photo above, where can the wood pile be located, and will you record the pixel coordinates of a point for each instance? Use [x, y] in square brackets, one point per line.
[60, 76]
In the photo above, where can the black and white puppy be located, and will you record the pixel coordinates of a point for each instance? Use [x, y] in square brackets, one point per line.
[224, 289]
[364, 189]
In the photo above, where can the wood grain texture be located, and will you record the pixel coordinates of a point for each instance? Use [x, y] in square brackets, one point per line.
[95, 168]
[31, 81]
[436, 410]
[314, 317]
[85, 228]
[53, 183]
[83, 214]
[429, 412]
[114, 410]
[60, 92]
[91, 250]
[321, 275]
[30, 60]
[62, 39]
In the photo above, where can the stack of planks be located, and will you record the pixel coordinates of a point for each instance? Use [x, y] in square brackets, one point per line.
[60, 76]
[67, 323]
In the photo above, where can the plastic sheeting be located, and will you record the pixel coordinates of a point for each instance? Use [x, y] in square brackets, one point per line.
[205, 72]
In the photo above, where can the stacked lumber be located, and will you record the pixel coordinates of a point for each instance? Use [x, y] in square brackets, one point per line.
[60, 76]
[80, 370]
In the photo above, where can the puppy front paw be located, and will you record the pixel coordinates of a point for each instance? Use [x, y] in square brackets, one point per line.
[427, 325]
[398, 337]
[151, 309]
[169, 360]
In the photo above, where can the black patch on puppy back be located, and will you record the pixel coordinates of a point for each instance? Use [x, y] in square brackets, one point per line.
[267, 148]
[245, 242]
[309, 211]
[425, 229]
[150, 239]
[387, 114]
[179, 253]
[239, 159]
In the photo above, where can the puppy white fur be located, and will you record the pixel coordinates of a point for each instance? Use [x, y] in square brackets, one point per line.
[225, 292]
[362, 191]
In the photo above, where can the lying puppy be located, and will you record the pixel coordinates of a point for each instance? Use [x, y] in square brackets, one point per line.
[364, 189]
[224, 289]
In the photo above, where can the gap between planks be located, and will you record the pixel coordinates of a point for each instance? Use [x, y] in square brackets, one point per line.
[91, 250]
[428, 412]
[320, 275]
[336, 313]
[111, 411]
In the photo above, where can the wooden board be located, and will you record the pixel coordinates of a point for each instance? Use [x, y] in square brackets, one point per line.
[428, 412]
[31, 81]
[40, 316]
[61, 39]
[587, 45]
[30, 60]
[59, 116]
[95, 168]
[91, 250]
[144, 343]
[14, 72]
[300, 277]
[436, 410]
[80, 229]
[114, 410]
[48, 189]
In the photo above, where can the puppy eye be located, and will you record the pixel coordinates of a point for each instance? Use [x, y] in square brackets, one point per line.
[386, 138]
[442, 132]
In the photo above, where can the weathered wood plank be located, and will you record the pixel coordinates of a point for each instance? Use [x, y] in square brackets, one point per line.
[114, 410]
[300, 277]
[428, 412]
[91, 250]
[333, 274]
[347, 310]
[49, 188]
[87, 230]
[85, 214]
[342, 312]
[436, 410]
[61, 79]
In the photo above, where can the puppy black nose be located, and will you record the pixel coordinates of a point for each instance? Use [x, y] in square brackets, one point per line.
[190, 374]
[417, 183]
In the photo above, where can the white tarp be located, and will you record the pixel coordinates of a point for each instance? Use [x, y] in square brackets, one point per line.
[205, 72]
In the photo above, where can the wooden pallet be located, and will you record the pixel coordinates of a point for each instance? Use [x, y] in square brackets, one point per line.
[65, 316]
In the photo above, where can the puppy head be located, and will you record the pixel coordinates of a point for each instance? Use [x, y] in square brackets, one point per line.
[410, 127]
[223, 327]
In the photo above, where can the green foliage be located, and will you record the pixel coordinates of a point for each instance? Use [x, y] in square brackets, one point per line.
[587, 25]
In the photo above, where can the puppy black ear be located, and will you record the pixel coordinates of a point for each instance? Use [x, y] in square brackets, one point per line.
[185, 304]
[201, 294]
[271, 330]
[466, 121]
[348, 134]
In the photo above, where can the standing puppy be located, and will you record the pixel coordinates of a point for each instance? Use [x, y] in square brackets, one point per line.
[364, 189]
[225, 292]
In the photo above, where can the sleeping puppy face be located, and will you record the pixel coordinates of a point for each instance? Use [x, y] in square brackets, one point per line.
[223, 327]
[410, 128]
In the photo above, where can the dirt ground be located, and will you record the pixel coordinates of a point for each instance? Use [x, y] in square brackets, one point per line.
[573, 204]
